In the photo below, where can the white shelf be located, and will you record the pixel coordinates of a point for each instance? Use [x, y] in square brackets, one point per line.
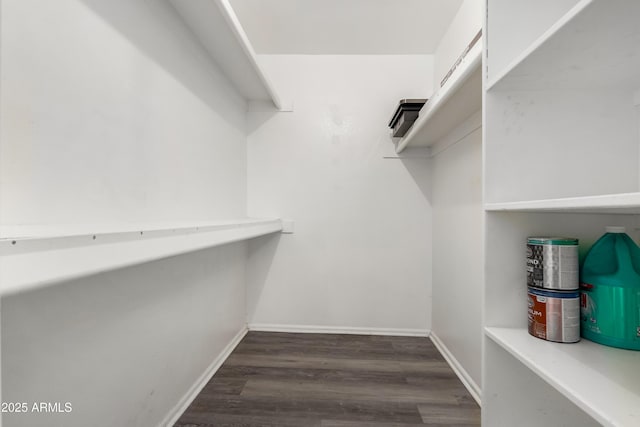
[217, 27]
[33, 261]
[623, 203]
[603, 381]
[595, 45]
[452, 104]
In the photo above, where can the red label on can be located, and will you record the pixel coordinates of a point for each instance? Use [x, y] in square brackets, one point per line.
[538, 316]
[554, 316]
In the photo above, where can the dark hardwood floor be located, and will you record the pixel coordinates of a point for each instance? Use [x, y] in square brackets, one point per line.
[283, 379]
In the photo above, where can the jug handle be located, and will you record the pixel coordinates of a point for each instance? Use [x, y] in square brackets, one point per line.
[623, 252]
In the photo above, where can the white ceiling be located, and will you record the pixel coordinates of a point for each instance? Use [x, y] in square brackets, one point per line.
[318, 27]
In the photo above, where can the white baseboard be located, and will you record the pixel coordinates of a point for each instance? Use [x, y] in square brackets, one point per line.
[313, 329]
[195, 389]
[462, 374]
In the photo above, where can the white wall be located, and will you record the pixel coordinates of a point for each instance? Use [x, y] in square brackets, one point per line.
[463, 28]
[361, 253]
[112, 113]
[458, 216]
[458, 250]
[124, 347]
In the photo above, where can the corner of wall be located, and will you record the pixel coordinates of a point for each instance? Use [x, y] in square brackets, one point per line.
[465, 25]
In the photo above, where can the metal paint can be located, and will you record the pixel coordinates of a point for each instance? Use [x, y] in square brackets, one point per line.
[554, 315]
[552, 263]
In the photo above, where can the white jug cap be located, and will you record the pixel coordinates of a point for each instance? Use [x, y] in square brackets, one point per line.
[615, 229]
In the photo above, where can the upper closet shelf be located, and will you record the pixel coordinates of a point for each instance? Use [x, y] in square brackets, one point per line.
[623, 203]
[217, 27]
[452, 104]
[603, 381]
[594, 45]
[30, 262]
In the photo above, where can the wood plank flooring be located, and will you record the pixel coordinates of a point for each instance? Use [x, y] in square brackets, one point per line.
[326, 380]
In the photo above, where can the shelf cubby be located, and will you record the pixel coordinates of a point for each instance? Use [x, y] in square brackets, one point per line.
[594, 45]
[564, 115]
[603, 381]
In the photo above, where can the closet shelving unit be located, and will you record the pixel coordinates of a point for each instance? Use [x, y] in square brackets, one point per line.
[51, 256]
[562, 150]
[216, 26]
[36, 256]
[624, 203]
[448, 107]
